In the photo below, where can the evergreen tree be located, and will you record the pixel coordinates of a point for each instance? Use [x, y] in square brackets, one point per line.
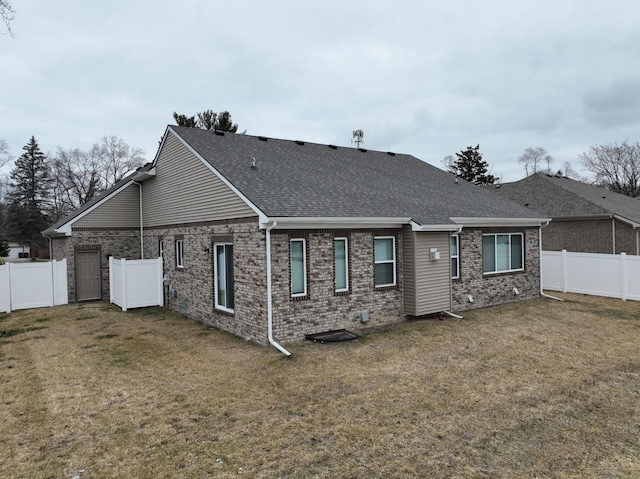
[29, 197]
[207, 120]
[470, 166]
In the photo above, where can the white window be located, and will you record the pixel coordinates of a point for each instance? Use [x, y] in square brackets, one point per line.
[502, 253]
[385, 261]
[223, 273]
[341, 264]
[455, 257]
[180, 253]
[298, 267]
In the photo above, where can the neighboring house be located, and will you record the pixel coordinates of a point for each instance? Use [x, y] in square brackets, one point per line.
[585, 218]
[273, 239]
[17, 251]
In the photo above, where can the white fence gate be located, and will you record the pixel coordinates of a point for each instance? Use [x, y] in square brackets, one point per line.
[33, 285]
[616, 276]
[135, 283]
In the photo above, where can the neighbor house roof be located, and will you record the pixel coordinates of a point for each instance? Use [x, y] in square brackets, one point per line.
[562, 198]
[289, 179]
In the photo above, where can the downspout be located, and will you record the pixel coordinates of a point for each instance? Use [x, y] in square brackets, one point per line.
[141, 222]
[542, 293]
[613, 227]
[269, 293]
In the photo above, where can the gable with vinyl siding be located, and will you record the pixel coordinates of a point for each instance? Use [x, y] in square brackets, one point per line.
[184, 190]
[120, 211]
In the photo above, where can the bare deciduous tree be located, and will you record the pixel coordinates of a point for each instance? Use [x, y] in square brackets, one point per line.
[534, 159]
[616, 166]
[83, 175]
[7, 14]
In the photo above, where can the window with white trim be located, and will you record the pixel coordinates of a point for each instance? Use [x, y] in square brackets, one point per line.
[223, 274]
[341, 264]
[385, 260]
[502, 253]
[298, 255]
[179, 253]
[455, 257]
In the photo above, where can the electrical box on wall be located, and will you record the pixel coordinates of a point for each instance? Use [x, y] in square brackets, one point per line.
[434, 254]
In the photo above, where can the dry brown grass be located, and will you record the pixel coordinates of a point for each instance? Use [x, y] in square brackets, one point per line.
[536, 389]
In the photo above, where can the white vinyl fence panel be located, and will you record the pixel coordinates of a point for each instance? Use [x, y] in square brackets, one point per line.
[33, 285]
[135, 283]
[616, 276]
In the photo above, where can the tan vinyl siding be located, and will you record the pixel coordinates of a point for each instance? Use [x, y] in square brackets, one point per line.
[120, 211]
[409, 269]
[431, 288]
[184, 190]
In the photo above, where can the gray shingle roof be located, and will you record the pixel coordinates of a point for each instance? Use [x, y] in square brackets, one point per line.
[560, 197]
[295, 179]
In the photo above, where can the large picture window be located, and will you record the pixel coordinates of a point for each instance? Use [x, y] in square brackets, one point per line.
[298, 267]
[502, 253]
[223, 271]
[455, 257]
[341, 264]
[385, 261]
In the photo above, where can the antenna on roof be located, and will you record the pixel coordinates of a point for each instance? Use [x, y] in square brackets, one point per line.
[358, 136]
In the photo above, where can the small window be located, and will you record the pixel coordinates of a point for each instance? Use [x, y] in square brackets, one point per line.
[455, 257]
[502, 253]
[341, 264]
[385, 261]
[223, 273]
[298, 267]
[180, 253]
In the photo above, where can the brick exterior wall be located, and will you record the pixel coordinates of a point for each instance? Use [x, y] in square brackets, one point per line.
[626, 239]
[589, 236]
[322, 309]
[584, 236]
[493, 289]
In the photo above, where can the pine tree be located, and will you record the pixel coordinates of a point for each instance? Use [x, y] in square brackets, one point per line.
[470, 166]
[29, 197]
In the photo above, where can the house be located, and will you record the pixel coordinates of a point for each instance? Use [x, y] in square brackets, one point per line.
[273, 239]
[18, 252]
[586, 218]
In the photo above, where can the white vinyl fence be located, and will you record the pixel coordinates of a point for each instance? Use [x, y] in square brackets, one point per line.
[33, 285]
[135, 283]
[612, 275]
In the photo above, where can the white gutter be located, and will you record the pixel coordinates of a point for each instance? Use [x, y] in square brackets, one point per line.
[269, 292]
[489, 222]
[328, 222]
[141, 221]
[454, 229]
[542, 293]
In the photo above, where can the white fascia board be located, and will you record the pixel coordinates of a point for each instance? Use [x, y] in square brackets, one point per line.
[499, 222]
[631, 223]
[316, 222]
[248, 202]
[65, 229]
[434, 228]
[145, 175]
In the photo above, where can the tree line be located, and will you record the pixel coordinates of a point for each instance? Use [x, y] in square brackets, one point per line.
[614, 166]
[41, 189]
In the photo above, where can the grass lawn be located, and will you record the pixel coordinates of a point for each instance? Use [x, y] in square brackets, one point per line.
[538, 389]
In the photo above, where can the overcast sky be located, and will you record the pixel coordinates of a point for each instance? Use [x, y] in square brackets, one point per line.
[428, 78]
